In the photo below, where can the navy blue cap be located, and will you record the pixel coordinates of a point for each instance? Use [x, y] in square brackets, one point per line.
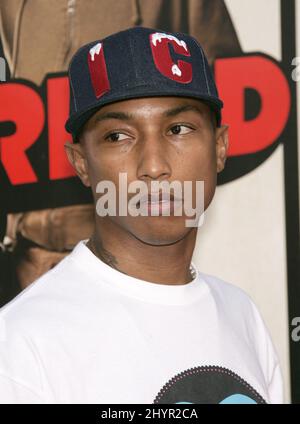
[134, 63]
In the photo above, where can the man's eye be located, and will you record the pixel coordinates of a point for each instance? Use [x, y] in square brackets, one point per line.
[116, 136]
[180, 129]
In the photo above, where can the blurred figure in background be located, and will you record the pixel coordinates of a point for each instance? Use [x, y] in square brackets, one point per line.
[9, 284]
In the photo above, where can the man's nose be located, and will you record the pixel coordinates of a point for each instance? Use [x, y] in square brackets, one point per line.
[153, 158]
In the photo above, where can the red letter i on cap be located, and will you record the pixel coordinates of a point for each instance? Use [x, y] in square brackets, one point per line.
[98, 71]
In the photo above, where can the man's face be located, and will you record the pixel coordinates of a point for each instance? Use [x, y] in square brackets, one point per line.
[151, 139]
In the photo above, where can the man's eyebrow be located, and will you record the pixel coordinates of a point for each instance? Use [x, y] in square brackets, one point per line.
[183, 108]
[170, 112]
[114, 115]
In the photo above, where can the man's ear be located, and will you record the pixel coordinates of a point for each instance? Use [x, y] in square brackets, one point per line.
[76, 156]
[221, 146]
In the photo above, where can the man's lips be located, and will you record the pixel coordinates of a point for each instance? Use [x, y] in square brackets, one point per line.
[156, 198]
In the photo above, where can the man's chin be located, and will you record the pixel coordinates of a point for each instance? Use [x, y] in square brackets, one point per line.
[161, 234]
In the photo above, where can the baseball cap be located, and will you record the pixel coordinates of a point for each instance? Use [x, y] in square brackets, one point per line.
[134, 63]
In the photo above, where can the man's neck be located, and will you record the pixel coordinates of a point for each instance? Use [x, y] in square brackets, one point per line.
[161, 264]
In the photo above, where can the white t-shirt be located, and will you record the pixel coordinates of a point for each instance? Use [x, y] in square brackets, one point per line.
[87, 333]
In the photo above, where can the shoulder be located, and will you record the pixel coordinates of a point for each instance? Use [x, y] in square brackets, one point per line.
[226, 292]
[237, 307]
[241, 313]
[44, 297]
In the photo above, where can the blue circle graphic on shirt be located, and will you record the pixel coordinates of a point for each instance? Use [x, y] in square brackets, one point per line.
[238, 399]
[208, 385]
[242, 399]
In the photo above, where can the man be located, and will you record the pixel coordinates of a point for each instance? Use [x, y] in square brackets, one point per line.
[38, 239]
[127, 317]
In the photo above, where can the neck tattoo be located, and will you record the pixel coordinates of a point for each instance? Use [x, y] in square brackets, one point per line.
[104, 255]
[111, 260]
